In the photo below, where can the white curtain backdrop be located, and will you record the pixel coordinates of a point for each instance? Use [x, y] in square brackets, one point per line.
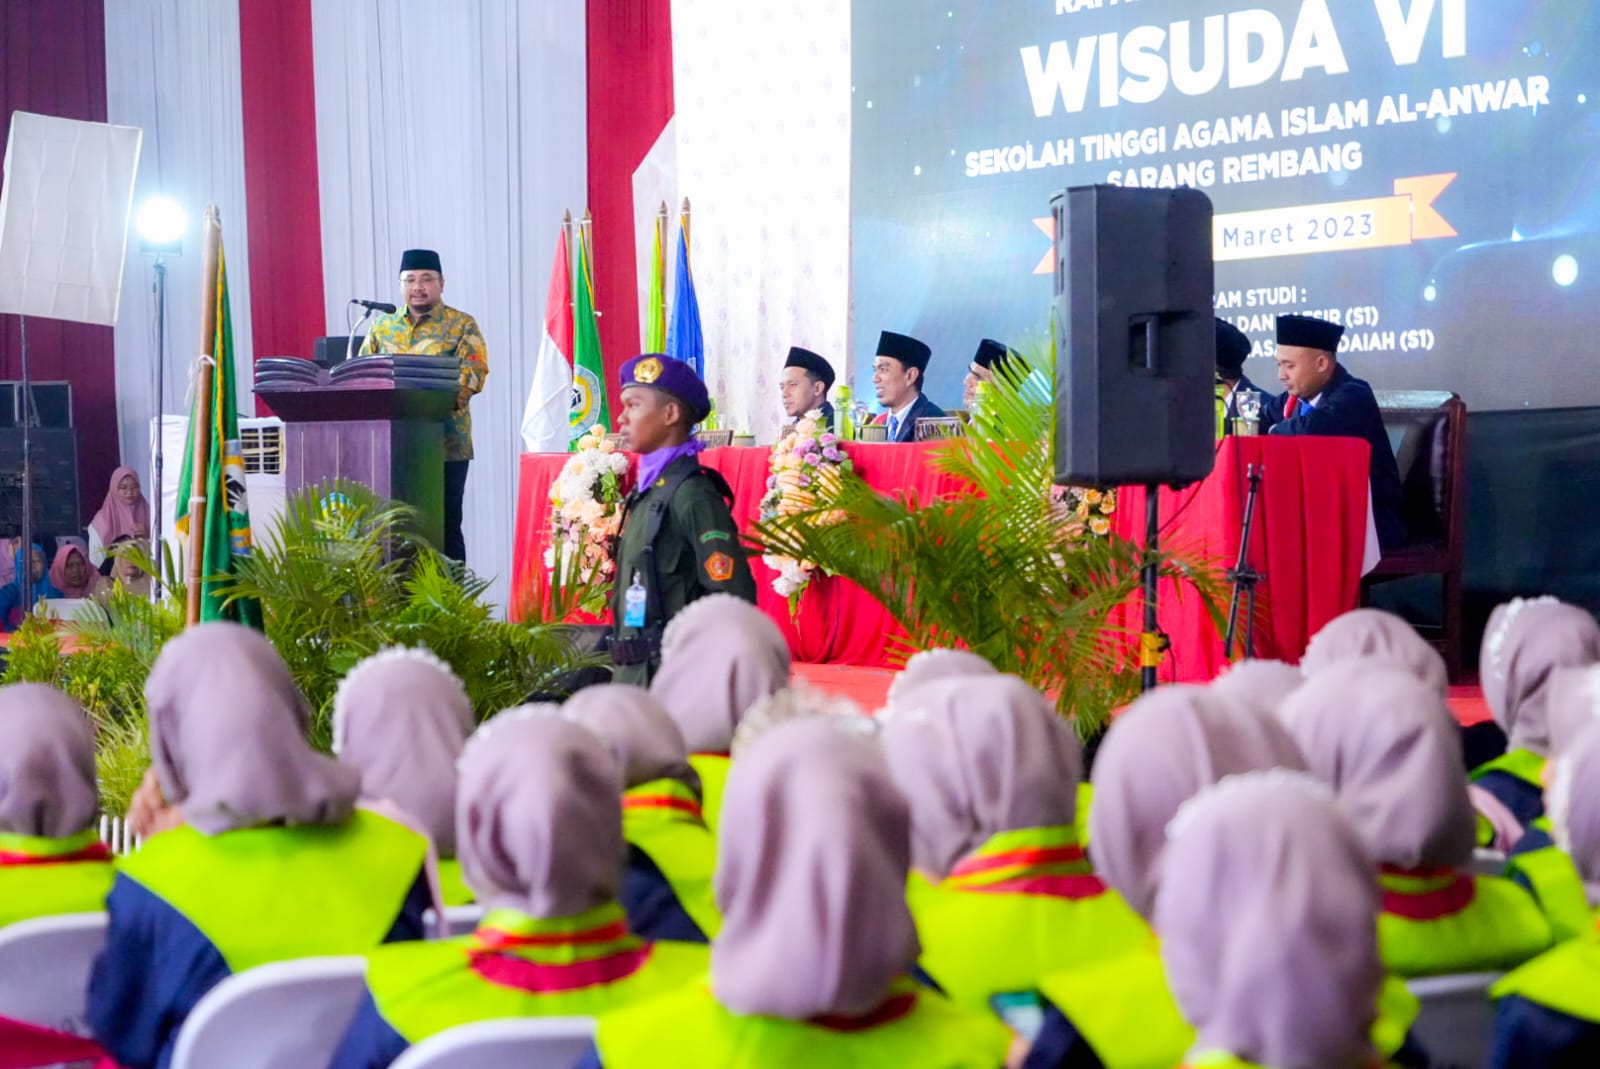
[172, 67]
[762, 96]
[458, 127]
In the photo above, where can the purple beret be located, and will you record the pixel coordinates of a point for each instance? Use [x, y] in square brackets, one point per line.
[673, 378]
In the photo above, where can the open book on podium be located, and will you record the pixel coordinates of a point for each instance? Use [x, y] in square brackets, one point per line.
[376, 420]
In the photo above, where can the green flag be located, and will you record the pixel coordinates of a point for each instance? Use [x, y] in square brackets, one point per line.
[227, 516]
[588, 374]
[655, 338]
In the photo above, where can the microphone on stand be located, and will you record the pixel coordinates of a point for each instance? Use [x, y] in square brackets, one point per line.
[370, 306]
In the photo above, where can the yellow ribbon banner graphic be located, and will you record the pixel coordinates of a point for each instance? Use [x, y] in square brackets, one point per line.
[1375, 223]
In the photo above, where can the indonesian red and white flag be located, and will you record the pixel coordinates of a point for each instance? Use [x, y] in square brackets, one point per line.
[545, 426]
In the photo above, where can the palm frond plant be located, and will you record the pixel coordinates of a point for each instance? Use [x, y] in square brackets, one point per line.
[1002, 567]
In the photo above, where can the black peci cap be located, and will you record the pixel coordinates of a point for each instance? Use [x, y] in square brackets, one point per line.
[1233, 348]
[1309, 333]
[904, 348]
[810, 361]
[420, 260]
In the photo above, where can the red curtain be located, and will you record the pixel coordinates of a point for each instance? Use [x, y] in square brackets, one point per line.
[630, 101]
[53, 62]
[280, 170]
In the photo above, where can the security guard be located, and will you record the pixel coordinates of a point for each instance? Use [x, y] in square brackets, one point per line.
[678, 540]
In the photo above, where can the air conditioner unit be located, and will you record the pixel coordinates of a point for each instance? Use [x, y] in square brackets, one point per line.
[263, 472]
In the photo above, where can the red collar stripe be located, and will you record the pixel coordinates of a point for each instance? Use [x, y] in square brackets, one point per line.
[92, 852]
[1075, 886]
[540, 978]
[1028, 857]
[1431, 905]
[891, 1009]
[493, 939]
[661, 801]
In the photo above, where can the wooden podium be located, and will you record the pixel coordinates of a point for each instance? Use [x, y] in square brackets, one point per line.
[386, 437]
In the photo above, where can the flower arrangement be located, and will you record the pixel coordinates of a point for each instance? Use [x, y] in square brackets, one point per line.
[585, 514]
[1085, 511]
[808, 458]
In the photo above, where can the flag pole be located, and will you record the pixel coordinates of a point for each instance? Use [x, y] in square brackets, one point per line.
[586, 235]
[683, 224]
[200, 462]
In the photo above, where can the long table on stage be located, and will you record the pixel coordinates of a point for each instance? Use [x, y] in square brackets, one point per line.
[1310, 537]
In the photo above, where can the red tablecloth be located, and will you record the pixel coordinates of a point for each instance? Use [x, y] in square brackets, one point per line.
[838, 622]
[1310, 532]
[1308, 540]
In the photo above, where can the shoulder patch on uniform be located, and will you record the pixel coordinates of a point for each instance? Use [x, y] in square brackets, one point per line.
[716, 536]
[719, 566]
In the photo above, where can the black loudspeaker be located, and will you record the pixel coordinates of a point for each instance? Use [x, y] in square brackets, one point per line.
[52, 404]
[1136, 364]
[54, 454]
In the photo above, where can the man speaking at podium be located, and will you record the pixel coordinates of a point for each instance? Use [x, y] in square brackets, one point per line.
[426, 326]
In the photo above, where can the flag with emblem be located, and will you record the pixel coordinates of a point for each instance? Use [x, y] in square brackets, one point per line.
[588, 373]
[227, 515]
[546, 424]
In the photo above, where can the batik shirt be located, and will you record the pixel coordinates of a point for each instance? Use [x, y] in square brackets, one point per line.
[442, 332]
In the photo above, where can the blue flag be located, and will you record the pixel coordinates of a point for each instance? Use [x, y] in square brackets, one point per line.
[684, 340]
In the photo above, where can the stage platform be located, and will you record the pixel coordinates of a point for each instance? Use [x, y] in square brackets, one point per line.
[868, 687]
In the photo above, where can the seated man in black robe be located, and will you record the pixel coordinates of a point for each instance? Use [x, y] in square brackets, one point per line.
[1322, 398]
[1233, 348]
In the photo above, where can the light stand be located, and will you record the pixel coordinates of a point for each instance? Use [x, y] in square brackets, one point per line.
[25, 573]
[1243, 576]
[161, 222]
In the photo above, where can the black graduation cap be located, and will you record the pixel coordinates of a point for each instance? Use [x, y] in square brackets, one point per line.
[420, 260]
[1233, 348]
[1309, 333]
[904, 348]
[991, 353]
[810, 361]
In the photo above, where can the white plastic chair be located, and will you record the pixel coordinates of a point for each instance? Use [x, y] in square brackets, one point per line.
[44, 969]
[510, 1043]
[458, 920]
[286, 1015]
[1456, 1024]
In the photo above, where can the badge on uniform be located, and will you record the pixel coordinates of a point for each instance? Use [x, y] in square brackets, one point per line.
[719, 566]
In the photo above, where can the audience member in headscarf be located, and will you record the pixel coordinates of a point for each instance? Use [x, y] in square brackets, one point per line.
[1267, 936]
[71, 574]
[1536, 862]
[50, 859]
[273, 860]
[1260, 685]
[12, 609]
[929, 666]
[1167, 747]
[1548, 1011]
[121, 569]
[539, 833]
[125, 512]
[671, 854]
[400, 718]
[719, 656]
[1369, 633]
[1387, 745]
[1003, 891]
[810, 967]
[1526, 641]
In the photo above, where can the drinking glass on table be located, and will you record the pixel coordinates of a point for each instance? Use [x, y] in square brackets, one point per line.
[1247, 403]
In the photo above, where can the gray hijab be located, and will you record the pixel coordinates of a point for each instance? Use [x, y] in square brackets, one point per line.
[1260, 685]
[227, 736]
[47, 775]
[928, 666]
[1526, 641]
[1269, 937]
[1168, 746]
[977, 756]
[644, 738]
[400, 718]
[812, 858]
[719, 656]
[1388, 746]
[539, 819]
[1373, 633]
[1574, 704]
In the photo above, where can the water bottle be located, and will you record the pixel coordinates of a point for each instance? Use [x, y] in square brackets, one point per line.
[846, 425]
[633, 604]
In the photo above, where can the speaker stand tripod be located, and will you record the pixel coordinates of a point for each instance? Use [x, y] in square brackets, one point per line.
[1243, 576]
[1153, 642]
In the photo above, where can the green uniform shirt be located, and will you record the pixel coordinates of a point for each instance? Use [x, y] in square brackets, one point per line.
[443, 332]
[697, 553]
